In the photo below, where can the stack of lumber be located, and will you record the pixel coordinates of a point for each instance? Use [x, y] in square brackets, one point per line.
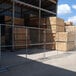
[73, 29]
[65, 41]
[47, 38]
[68, 23]
[50, 37]
[21, 38]
[34, 22]
[70, 28]
[55, 24]
[17, 21]
[19, 35]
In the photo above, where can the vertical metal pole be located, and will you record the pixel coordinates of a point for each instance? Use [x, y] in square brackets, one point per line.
[26, 42]
[56, 28]
[39, 18]
[13, 15]
[0, 44]
[44, 44]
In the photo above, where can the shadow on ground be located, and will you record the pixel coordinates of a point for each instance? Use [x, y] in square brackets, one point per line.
[29, 51]
[34, 68]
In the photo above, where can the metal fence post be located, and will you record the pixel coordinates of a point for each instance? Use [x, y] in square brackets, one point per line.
[0, 44]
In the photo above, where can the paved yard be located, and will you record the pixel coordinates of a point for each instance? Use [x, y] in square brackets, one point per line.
[54, 64]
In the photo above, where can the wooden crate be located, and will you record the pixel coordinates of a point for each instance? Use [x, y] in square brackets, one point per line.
[65, 46]
[55, 21]
[68, 24]
[65, 36]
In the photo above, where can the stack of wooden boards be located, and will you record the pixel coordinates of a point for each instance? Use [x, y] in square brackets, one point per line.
[54, 25]
[71, 29]
[17, 21]
[65, 41]
[68, 23]
[34, 22]
[21, 37]
[58, 35]
[17, 36]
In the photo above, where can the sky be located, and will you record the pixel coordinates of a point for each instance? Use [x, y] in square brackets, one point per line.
[67, 10]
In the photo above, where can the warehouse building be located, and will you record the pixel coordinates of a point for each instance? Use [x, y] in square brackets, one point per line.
[26, 25]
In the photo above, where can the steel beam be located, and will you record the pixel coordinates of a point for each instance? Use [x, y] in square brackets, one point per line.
[35, 7]
[0, 44]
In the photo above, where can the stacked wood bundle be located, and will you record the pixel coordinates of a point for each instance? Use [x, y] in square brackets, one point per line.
[68, 23]
[55, 24]
[65, 41]
[17, 21]
[71, 29]
[34, 22]
[21, 37]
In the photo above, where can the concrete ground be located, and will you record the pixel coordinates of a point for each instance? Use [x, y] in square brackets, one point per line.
[51, 63]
